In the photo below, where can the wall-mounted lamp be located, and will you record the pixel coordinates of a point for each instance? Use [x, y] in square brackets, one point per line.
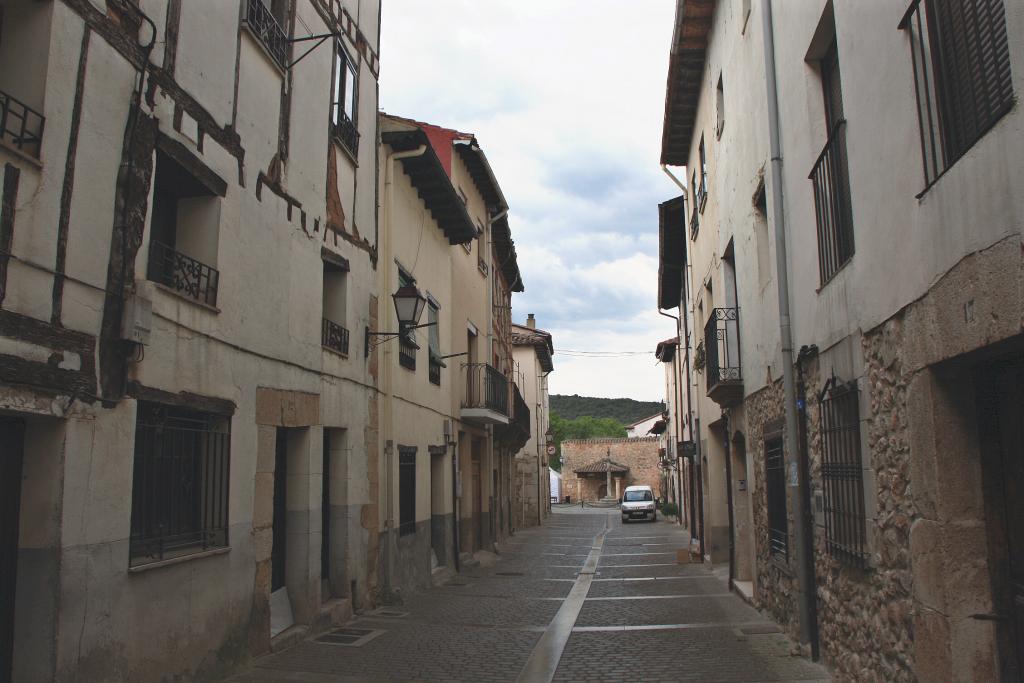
[409, 305]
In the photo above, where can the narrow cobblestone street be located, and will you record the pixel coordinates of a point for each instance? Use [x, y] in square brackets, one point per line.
[585, 598]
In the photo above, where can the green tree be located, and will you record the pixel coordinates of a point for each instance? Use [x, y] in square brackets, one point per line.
[584, 427]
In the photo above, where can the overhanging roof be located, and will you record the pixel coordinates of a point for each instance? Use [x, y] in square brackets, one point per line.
[539, 340]
[481, 173]
[602, 466]
[671, 251]
[685, 77]
[506, 248]
[427, 174]
[666, 350]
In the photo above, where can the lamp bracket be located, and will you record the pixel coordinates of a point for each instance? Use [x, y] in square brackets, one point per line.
[320, 38]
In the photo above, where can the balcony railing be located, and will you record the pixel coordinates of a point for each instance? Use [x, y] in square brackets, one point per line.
[722, 359]
[434, 371]
[267, 30]
[183, 274]
[516, 433]
[832, 204]
[485, 388]
[334, 336]
[346, 132]
[20, 125]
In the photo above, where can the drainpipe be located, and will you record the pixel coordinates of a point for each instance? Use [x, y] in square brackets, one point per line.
[798, 484]
[387, 266]
[675, 180]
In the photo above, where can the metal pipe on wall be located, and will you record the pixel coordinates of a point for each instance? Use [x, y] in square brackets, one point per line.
[797, 475]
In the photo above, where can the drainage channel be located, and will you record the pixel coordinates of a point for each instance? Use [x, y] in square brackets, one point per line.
[543, 661]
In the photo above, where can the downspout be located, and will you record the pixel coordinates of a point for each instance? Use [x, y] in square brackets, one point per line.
[676, 399]
[387, 266]
[797, 475]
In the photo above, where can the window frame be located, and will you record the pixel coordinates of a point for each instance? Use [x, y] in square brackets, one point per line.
[345, 73]
[434, 342]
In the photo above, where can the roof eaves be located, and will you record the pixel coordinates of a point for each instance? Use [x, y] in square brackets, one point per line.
[433, 185]
[685, 78]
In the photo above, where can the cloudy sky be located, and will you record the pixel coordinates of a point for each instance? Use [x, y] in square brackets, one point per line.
[566, 98]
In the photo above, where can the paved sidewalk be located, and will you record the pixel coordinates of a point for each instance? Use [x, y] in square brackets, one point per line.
[582, 599]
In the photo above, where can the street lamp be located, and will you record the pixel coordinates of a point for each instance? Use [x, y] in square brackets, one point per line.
[409, 305]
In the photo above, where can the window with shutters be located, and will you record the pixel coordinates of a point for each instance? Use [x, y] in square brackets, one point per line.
[775, 488]
[962, 79]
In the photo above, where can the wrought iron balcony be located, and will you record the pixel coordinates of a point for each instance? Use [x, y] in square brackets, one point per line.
[333, 336]
[183, 274]
[346, 132]
[516, 433]
[265, 28]
[487, 394]
[434, 371]
[722, 360]
[20, 125]
[832, 205]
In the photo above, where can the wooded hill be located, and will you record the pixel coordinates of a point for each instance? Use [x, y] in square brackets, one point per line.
[622, 410]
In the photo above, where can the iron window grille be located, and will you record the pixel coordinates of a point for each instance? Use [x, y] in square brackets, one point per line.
[962, 81]
[183, 274]
[179, 483]
[481, 264]
[842, 474]
[334, 336]
[20, 125]
[832, 210]
[775, 488]
[406, 490]
[266, 28]
[407, 353]
[343, 105]
[830, 176]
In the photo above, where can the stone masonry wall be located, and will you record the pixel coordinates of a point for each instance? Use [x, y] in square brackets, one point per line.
[639, 455]
[864, 615]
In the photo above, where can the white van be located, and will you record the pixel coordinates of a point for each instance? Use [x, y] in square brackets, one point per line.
[638, 503]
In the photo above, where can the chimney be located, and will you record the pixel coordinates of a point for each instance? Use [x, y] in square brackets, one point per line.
[531, 322]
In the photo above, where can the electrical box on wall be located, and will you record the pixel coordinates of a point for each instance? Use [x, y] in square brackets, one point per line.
[137, 320]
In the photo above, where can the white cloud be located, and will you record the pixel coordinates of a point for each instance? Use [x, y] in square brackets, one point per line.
[566, 98]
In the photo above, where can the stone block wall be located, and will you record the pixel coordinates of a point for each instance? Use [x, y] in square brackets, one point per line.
[639, 455]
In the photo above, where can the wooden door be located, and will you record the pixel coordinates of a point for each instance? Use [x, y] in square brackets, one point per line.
[12, 433]
[1001, 421]
[278, 551]
[478, 532]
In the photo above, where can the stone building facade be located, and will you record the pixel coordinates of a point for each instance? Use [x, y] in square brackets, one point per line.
[584, 473]
[532, 350]
[905, 321]
[202, 448]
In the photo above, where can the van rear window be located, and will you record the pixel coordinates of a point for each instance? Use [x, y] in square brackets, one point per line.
[634, 496]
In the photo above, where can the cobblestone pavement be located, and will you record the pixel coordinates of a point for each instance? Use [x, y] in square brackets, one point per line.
[608, 598]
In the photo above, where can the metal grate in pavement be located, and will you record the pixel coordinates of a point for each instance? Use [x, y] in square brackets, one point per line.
[390, 613]
[509, 574]
[350, 637]
[760, 630]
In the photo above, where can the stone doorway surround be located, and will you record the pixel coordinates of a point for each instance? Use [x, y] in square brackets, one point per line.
[299, 413]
